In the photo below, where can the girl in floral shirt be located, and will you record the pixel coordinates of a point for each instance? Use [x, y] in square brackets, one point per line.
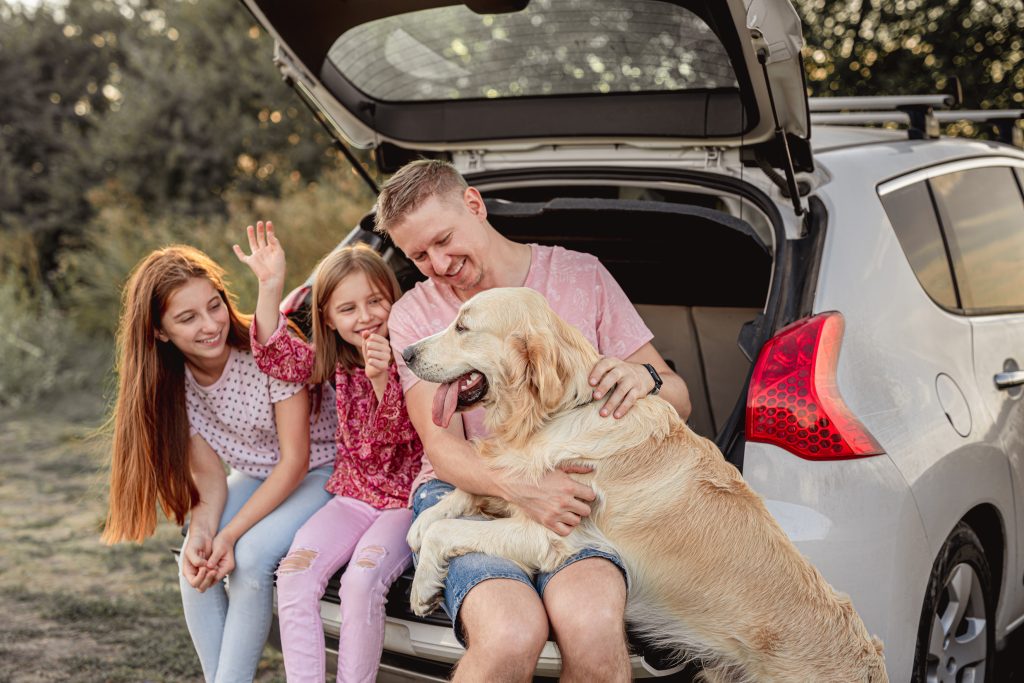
[378, 456]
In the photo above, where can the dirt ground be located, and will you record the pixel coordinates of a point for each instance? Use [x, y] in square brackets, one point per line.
[74, 609]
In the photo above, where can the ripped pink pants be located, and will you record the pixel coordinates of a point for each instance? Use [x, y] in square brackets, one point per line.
[372, 541]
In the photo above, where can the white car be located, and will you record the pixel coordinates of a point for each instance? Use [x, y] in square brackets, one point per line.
[847, 309]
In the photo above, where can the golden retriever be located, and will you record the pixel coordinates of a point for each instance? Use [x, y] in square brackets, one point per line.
[711, 574]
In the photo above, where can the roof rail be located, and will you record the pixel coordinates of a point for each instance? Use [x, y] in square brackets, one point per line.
[880, 103]
[917, 111]
[1003, 120]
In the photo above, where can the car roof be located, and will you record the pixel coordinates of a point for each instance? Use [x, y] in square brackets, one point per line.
[890, 153]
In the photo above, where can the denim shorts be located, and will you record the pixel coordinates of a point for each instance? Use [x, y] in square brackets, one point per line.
[466, 571]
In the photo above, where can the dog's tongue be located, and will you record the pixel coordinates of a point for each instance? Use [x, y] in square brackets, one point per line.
[445, 401]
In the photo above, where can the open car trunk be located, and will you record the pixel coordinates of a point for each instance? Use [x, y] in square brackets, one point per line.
[697, 273]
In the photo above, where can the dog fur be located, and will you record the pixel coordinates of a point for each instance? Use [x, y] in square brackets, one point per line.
[711, 574]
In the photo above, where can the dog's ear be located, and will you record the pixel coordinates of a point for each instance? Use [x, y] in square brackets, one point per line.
[519, 413]
[544, 370]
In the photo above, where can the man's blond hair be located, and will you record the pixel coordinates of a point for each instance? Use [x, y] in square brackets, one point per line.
[412, 185]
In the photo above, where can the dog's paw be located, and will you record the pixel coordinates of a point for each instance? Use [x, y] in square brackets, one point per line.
[426, 595]
[415, 536]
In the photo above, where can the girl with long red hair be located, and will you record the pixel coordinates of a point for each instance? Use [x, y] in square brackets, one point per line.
[190, 401]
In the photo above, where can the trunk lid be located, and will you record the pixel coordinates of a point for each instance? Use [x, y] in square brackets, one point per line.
[513, 74]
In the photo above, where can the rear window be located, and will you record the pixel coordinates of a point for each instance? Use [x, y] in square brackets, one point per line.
[912, 215]
[553, 47]
[983, 212]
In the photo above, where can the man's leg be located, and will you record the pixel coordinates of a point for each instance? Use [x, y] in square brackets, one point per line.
[494, 604]
[505, 628]
[586, 602]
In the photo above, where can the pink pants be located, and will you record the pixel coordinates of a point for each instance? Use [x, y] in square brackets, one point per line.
[373, 542]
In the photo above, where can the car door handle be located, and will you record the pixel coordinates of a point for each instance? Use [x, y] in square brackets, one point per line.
[1008, 380]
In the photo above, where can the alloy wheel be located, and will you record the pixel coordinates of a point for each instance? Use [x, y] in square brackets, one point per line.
[958, 646]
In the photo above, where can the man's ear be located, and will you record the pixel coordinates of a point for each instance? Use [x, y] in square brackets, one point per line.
[475, 203]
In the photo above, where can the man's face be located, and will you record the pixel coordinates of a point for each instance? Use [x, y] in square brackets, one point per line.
[446, 238]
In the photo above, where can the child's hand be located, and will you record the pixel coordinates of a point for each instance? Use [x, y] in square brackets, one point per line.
[194, 556]
[267, 259]
[376, 356]
[222, 559]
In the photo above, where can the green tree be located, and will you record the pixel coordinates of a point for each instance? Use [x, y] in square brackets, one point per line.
[204, 111]
[54, 74]
[882, 47]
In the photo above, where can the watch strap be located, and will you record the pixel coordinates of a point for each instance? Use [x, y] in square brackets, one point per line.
[656, 377]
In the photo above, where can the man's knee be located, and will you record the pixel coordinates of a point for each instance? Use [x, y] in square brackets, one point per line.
[505, 619]
[586, 604]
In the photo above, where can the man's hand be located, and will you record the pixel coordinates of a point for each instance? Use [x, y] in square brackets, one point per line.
[558, 501]
[266, 259]
[630, 381]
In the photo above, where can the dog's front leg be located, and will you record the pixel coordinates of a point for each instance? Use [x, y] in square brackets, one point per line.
[529, 545]
[457, 503]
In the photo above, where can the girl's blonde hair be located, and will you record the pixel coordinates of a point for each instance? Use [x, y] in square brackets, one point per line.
[149, 459]
[329, 348]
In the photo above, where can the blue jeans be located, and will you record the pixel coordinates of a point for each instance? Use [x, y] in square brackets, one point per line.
[229, 632]
[466, 571]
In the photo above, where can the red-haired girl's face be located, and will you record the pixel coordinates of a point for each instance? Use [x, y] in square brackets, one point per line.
[196, 322]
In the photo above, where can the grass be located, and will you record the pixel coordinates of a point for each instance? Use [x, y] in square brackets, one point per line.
[72, 608]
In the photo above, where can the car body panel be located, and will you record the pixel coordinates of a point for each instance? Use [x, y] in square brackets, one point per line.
[857, 522]
[901, 340]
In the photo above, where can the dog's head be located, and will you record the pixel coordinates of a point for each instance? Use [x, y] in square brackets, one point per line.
[509, 352]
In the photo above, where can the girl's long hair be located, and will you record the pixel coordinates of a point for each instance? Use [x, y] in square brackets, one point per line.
[150, 456]
[330, 349]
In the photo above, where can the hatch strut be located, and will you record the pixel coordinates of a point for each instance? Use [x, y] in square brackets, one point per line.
[794, 193]
[335, 135]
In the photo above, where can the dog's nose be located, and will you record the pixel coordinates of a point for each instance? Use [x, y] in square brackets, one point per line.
[409, 354]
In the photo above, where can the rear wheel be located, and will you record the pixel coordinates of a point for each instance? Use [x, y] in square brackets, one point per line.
[956, 638]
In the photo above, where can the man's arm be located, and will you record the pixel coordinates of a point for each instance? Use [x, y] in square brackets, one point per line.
[626, 381]
[558, 502]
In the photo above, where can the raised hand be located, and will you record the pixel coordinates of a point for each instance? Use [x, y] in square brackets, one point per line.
[266, 259]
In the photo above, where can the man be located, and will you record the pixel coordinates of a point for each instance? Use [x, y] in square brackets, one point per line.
[440, 223]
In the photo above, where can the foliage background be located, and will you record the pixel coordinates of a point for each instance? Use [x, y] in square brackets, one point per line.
[130, 124]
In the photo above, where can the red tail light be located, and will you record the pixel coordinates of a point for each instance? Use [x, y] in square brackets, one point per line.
[793, 400]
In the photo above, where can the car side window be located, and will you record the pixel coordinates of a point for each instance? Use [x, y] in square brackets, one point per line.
[982, 211]
[913, 218]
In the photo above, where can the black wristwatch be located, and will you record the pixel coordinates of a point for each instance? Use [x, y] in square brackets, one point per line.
[656, 377]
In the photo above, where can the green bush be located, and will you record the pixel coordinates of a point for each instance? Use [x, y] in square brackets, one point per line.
[35, 340]
[310, 219]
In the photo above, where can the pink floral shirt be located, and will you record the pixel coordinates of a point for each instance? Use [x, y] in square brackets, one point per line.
[379, 453]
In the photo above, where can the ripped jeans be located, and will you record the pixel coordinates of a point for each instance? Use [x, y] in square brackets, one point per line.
[372, 541]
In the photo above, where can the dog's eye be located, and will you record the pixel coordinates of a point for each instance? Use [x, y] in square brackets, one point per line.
[460, 328]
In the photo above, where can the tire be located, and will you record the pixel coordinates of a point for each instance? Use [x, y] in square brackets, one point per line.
[956, 637]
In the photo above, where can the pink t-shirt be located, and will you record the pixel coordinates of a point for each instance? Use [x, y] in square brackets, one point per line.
[577, 287]
[235, 415]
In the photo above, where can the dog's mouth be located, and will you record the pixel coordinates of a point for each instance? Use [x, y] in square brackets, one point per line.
[461, 393]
